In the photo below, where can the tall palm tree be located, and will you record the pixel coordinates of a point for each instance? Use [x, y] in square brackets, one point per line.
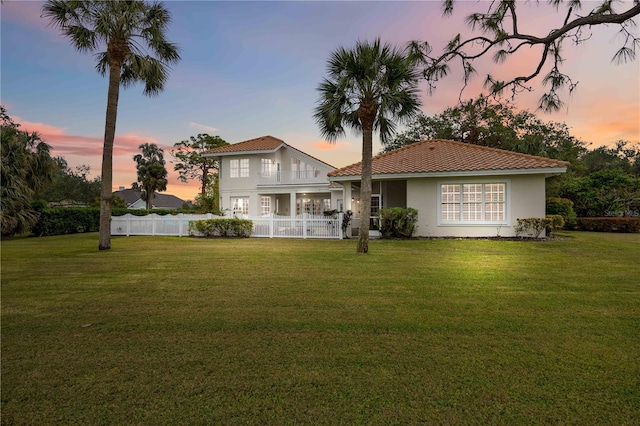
[26, 169]
[133, 36]
[368, 88]
[152, 173]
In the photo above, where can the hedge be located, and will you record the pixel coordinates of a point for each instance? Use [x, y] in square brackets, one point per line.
[74, 220]
[66, 220]
[609, 224]
[234, 227]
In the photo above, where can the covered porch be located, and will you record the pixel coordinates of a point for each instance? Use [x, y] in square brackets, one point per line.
[295, 203]
[384, 194]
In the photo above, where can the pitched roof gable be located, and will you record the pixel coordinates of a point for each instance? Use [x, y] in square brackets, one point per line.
[263, 143]
[445, 156]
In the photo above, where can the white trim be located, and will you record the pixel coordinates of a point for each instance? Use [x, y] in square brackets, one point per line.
[266, 151]
[239, 153]
[507, 202]
[547, 171]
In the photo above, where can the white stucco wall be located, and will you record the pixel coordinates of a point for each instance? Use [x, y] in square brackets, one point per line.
[248, 186]
[525, 198]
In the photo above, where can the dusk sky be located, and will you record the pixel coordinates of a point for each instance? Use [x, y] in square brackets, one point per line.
[251, 69]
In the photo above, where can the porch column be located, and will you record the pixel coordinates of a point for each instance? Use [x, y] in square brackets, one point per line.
[292, 204]
[346, 193]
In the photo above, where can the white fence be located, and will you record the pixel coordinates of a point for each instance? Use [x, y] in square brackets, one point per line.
[304, 226]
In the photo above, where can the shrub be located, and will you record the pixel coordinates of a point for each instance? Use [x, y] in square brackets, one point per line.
[398, 222]
[554, 223]
[66, 220]
[609, 224]
[562, 207]
[225, 227]
[346, 221]
[532, 226]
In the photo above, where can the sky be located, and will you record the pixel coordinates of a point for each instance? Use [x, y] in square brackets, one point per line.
[251, 69]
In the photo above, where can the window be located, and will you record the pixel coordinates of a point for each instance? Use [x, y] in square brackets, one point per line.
[302, 170]
[265, 206]
[313, 206]
[240, 205]
[473, 202]
[239, 168]
[375, 205]
[265, 167]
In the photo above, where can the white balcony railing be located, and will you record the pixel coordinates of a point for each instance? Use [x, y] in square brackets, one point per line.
[292, 178]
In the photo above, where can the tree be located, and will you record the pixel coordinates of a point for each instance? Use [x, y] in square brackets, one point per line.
[191, 164]
[502, 38]
[607, 192]
[72, 185]
[623, 157]
[133, 34]
[497, 125]
[152, 174]
[368, 88]
[26, 169]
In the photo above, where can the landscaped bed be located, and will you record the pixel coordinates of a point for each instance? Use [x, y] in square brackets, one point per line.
[167, 330]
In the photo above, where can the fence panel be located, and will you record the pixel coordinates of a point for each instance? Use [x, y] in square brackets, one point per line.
[303, 226]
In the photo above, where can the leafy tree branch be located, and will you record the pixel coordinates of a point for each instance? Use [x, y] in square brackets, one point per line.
[501, 36]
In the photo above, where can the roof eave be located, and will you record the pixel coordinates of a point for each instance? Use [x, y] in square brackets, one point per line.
[547, 171]
[254, 151]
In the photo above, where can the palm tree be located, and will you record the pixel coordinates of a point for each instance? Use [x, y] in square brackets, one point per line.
[26, 170]
[151, 171]
[133, 34]
[368, 88]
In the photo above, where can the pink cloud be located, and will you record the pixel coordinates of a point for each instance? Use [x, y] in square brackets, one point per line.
[325, 146]
[65, 144]
[87, 149]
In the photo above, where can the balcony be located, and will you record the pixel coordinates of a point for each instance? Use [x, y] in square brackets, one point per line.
[292, 178]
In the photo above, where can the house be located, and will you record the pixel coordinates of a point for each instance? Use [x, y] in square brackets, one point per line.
[459, 189]
[160, 201]
[264, 176]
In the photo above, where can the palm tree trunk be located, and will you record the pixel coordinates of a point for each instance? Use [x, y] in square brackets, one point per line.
[365, 191]
[106, 192]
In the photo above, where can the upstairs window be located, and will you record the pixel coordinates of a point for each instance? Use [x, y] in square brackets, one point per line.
[239, 168]
[302, 170]
[265, 167]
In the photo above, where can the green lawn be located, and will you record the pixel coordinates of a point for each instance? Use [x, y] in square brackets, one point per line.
[256, 331]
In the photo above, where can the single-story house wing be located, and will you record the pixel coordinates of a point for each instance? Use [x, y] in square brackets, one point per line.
[459, 189]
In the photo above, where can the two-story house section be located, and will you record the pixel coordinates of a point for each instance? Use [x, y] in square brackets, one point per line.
[265, 176]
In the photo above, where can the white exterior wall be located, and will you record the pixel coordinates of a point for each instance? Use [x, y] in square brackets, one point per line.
[248, 186]
[525, 197]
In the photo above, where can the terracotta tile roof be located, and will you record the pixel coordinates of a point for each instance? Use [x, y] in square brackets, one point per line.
[438, 155]
[263, 143]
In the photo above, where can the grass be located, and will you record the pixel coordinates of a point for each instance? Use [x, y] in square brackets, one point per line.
[254, 331]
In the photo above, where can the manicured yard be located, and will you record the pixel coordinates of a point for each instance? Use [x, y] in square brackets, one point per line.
[257, 331]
